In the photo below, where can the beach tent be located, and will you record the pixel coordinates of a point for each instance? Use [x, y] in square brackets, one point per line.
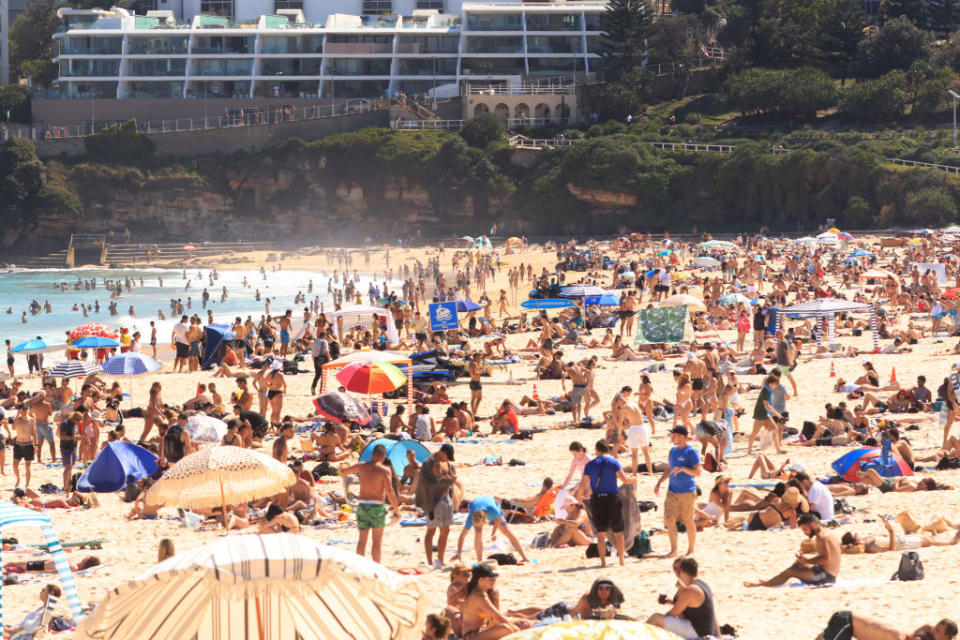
[116, 465]
[214, 349]
[12, 515]
[851, 464]
[364, 315]
[396, 452]
[828, 308]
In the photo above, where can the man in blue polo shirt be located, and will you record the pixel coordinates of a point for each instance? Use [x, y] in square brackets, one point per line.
[681, 490]
[606, 510]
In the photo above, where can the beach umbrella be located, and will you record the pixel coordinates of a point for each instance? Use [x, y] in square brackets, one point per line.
[717, 244]
[952, 229]
[861, 252]
[371, 377]
[117, 464]
[846, 237]
[682, 275]
[218, 476]
[340, 407]
[731, 299]
[851, 464]
[706, 262]
[467, 238]
[595, 630]
[396, 451]
[93, 329]
[130, 364]
[466, 306]
[514, 240]
[546, 303]
[664, 252]
[806, 240]
[692, 303]
[951, 294]
[581, 291]
[73, 369]
[189, 247]
[915, 241]
[30, 346]
[95, 342]
[834, 230]
[606, 300]
[279, 586]
[206, 429]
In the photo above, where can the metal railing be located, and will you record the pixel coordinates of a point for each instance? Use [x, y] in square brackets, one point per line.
[522, 90]
[246, 117]
[419, 125]
[914, 163]
[87, 238]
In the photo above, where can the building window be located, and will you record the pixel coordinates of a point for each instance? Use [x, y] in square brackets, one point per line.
[222, 8]
[376, 7]
[430, 4]
[287, 4]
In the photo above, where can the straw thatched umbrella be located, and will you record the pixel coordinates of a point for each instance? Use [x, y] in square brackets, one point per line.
[218, 476]
[251, 587]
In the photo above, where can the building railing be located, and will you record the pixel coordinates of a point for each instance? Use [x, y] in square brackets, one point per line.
[522, 90]
[252, 116]
[914, 163]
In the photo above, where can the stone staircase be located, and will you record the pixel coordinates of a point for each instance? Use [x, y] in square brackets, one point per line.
[128, 255]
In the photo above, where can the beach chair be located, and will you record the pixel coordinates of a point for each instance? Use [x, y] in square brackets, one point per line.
[380, 406]
[306, 445]
[42, 625]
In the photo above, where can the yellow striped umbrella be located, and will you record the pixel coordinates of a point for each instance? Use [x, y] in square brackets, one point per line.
[595, 630]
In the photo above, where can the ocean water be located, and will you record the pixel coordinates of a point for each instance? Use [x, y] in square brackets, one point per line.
[20, 287]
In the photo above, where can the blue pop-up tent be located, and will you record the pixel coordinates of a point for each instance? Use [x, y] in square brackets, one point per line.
[116, 465]
[396, 452]
[214, 349]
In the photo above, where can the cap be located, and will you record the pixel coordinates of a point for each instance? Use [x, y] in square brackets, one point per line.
[680, 430]
[690, 356]
[484, 570]
[447, 450]
[796, 467]
[276, 365]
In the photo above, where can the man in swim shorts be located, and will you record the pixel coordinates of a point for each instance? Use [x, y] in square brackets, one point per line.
[23, 443]
[285, 321]
[821, 569]
[376, 488]
[42, 409]
[638, 433]
[844, 625]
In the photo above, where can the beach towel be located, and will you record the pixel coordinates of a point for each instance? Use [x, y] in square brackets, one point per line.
[664, 325]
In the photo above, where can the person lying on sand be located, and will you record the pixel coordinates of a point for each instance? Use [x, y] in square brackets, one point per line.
[844, 625]
[900, 484]
[895, 541]
[48, 566]
[821, 569]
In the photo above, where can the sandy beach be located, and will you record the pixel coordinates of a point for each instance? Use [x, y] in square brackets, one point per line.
[726, 558]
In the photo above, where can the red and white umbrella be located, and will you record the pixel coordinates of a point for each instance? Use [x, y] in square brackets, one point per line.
[93, 329]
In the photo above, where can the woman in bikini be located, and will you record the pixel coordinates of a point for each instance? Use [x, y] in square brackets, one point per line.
[482, 619]
[260, 386]
[768, 470]
[621, 352]
[645, 400]
[276, 386]
[573, 530]
[718, 506]
[154, 410]
[593, 398]
[683, 404]
[781, 512]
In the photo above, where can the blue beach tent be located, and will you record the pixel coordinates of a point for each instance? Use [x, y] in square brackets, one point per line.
[115, 466]
[213, 352]
[396, 452]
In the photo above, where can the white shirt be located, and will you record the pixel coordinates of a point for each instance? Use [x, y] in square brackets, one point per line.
[180, 333]
[135, 346]
[821, 500]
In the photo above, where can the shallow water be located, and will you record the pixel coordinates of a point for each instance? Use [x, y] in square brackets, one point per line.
[19, 288]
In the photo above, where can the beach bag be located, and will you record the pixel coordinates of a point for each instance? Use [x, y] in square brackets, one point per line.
[647, 505]
[503, 559]
[324, 469]
[911, 568]
[710, 463]
[593, 551]
[641, 546]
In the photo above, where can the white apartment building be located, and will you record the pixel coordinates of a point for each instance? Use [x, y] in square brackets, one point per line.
[293, 49]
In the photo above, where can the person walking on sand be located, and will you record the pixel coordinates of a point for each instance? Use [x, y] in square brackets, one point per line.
[606, 510]
[376, 488]
[763, 414]
[476, 388]
[179, 341]
[821, 569]
[681, 497]
[24, 444]
[435, 496]
[638, 433]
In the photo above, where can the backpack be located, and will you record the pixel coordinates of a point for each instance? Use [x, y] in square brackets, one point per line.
[647, 505]
[641, 546]
[593, 551]
[911, 568]
[503, 558]
[172, 444]
[710, 463]
[324, 469]
[333, 348]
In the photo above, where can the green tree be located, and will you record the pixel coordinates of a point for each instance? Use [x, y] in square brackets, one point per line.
[942, 16]
[461, 171]
[896, 45]
[912, 10]
[626, 26]
[883, 99]
[840, 32]
[31, 41]
[21, 177]
[926, 88]
[482, 130]
[15, 100]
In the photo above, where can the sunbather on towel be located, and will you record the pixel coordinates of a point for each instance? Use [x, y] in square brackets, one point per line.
[48, 566]
[844, 625]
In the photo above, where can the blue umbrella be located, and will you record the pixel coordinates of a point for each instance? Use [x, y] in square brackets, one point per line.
[95, 342]
[546, 303]
[861, 252]
[465, 306]
[606, 300]
[651, 273]
[664, 252]
[118, 464]
[130, 364]
[396, 452]
[29, 346]
[581, 291]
